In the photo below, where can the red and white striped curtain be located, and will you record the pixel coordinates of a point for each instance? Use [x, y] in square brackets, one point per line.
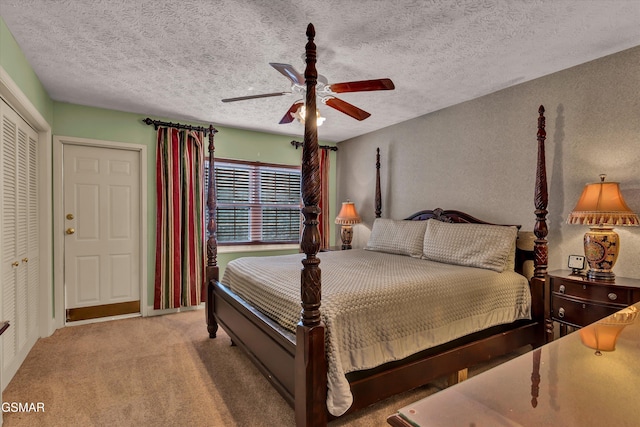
[180, 260]
[324, 222]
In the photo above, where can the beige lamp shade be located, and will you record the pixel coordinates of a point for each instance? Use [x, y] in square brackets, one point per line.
[601, 203]
[348, 214]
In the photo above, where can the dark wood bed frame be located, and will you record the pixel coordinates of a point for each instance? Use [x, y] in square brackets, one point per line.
[295, 363]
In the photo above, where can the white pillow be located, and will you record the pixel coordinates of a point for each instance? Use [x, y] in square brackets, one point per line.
[397, 236]
[473, 245]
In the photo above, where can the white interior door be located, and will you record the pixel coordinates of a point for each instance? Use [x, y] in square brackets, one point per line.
[102, 208]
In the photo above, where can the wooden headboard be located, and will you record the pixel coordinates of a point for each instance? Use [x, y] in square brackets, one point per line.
[452, 216]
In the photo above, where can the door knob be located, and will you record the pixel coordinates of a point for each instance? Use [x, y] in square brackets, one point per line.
[69, 216]
[70, 230]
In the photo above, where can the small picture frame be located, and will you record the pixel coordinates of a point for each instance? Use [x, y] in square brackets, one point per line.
[576, 263]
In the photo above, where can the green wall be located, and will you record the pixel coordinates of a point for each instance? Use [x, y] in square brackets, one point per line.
[16, 65]
[96, 123]
[101, 124]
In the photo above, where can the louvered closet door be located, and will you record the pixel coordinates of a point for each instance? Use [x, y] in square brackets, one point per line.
[19, 266]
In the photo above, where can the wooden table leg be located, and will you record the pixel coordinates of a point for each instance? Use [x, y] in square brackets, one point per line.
[458, 377]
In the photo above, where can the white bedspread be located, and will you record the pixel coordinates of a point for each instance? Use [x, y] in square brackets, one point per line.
[379, 307]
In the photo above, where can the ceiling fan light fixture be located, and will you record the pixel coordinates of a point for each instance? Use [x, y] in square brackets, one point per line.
[324, 91]
[300, 114]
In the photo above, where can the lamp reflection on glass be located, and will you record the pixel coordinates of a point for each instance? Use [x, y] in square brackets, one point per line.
[300, 114]
[602, 335]
[347, 217]
[601, 206]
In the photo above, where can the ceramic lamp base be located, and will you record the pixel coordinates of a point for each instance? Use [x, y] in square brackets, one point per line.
[346, 235]
[601, 246]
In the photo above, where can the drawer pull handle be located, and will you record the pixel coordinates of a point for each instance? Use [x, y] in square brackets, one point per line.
[612, 296]
[561, 312]
[561, 290]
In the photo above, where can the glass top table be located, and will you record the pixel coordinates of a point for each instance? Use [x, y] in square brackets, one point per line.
[590, 377]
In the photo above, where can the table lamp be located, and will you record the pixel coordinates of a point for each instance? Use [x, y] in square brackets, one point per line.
[601, 206]
[346, 218]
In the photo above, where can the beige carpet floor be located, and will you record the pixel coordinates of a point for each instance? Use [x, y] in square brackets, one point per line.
[158, 371]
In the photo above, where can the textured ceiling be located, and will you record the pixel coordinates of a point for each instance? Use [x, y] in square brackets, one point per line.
[179, 58]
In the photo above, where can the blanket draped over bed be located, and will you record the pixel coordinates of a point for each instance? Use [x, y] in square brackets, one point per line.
[381, 307]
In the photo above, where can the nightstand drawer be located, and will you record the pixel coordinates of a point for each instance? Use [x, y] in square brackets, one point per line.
[592, 292]
[579, 313]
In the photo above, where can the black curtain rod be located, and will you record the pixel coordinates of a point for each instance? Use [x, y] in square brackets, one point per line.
[298, 144]
[157, 123]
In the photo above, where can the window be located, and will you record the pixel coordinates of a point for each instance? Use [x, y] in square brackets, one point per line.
[257, 202]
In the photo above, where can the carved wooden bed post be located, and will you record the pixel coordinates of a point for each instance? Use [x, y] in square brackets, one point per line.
[540, 248]
[541, 200]
[378, 193]
[212, 271]
[310, 362]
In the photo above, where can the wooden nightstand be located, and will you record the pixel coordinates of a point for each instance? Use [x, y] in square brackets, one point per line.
[575, 301]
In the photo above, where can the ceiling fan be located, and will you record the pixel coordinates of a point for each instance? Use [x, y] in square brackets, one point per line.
[325, 91]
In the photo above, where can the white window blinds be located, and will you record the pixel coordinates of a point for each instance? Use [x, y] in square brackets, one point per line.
[257, 203]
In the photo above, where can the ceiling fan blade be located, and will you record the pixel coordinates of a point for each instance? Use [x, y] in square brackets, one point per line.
[348, 109]
[288, 117]
[264, 95]
[289, 72]
[362, 86]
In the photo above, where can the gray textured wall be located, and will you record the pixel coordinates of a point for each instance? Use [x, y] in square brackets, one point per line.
[479, 156]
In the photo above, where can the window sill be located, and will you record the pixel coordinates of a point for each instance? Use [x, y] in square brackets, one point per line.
[256, 248]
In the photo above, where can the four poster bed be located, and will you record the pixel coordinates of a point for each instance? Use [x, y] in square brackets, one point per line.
[341, 356]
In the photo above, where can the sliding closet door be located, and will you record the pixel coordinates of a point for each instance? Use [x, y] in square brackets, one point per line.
[19, 260]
